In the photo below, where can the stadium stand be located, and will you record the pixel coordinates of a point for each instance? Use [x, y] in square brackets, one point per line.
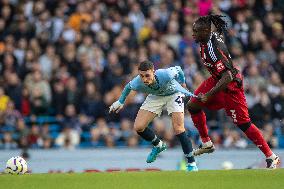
[63, 62]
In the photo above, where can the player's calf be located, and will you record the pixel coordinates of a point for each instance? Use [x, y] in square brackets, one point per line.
[254, 134]
[188, 151]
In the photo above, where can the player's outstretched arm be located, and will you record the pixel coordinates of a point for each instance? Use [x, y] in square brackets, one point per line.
[226, 78]
[118, 105]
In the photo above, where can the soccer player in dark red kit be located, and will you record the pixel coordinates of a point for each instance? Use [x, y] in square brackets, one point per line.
[224, 89]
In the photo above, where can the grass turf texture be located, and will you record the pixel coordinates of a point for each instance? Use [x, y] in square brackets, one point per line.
[235, 179]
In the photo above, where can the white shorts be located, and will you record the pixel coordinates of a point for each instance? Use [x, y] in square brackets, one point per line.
[155, 104]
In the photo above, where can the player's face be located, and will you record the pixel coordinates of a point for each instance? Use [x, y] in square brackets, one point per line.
[147, 76]
[200, 34]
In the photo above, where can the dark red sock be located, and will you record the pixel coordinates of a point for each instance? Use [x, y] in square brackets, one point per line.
[199, 121]
[254, 134]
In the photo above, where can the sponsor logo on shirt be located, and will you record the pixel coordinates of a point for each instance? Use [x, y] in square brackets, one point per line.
[220, 66]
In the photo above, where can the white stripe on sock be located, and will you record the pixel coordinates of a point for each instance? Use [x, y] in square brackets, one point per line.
[189, 154]
[154, 138]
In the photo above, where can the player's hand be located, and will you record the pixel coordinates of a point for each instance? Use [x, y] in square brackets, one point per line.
[115, 107]
[203, 97]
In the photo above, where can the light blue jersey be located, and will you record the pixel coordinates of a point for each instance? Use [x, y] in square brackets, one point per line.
[168, 82]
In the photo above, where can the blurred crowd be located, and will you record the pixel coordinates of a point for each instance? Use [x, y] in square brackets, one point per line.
[63, 62]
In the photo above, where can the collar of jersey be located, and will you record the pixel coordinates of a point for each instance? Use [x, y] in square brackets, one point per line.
[156, 85]
[206, 45]
[211, 34]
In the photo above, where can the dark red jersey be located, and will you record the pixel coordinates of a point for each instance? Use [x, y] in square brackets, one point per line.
[216, 57]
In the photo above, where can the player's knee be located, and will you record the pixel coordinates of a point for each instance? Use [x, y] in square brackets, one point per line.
[178, 128]
[178, 131]
[138, 127]
[244, 126]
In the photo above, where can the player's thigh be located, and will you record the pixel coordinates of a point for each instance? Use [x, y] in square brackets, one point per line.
[154, 104]
[216, 102]
[206, 86]
[175, 108]
[178, 122]
[143, 118]
[151, 108]
[236, 107]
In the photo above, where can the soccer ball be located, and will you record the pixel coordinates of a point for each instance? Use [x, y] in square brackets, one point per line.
[16, 165]
[227, 165]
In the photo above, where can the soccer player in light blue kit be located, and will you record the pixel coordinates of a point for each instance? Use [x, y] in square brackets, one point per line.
[165, 88]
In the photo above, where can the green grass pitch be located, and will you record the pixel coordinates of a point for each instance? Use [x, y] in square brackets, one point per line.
[235, 179]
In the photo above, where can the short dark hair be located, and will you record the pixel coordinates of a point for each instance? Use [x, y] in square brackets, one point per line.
[146, 65]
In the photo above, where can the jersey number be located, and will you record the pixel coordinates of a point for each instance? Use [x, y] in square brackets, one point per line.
[234, 115]
[179, 100]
